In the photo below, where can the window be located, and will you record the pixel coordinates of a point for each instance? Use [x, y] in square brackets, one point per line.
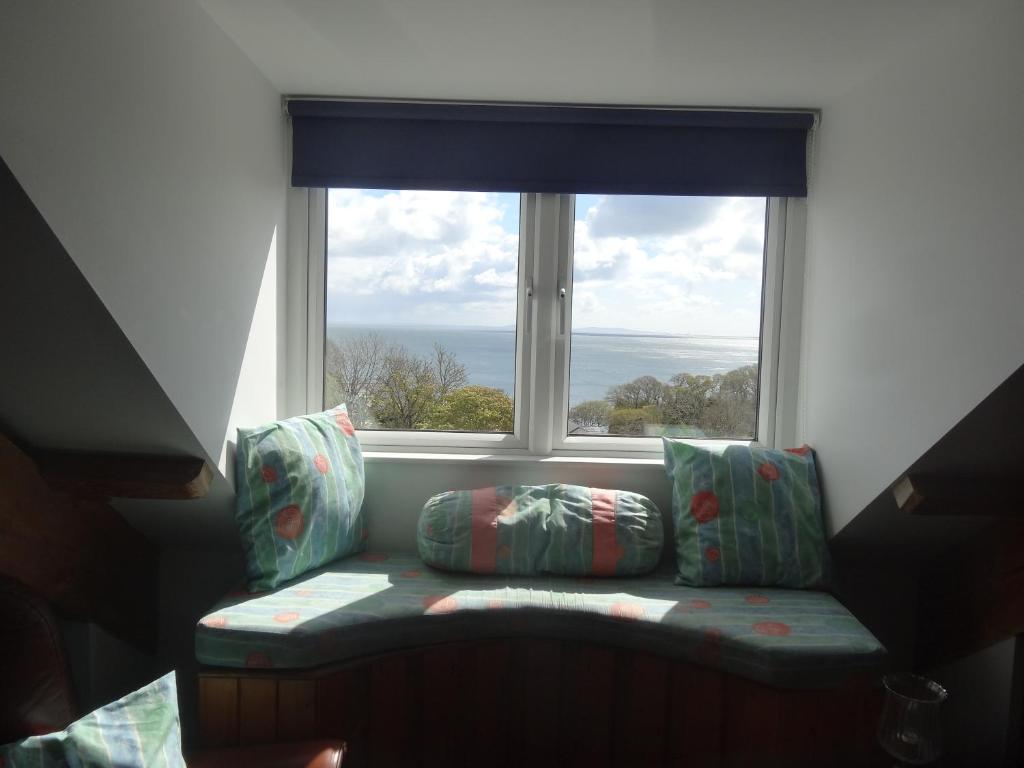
[614, 274]
[544, 322]
[420, 309]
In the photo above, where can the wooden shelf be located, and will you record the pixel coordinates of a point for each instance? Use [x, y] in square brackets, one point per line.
[923, 494]
[111, 475]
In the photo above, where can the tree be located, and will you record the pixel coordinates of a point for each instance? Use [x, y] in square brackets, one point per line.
[384, 384]
[627, 421]
[638, 393]
[472, 408]
[686, 397]
[591, 414]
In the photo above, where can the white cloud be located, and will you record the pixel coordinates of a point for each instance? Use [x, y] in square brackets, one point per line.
[499, 279]
[654, 264]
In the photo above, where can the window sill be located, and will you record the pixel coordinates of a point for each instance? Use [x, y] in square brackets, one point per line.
[520, 458]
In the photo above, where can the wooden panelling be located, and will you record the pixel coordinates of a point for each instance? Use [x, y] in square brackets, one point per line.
[296, 710]
[538, 703]
[588, 690]
[257, 711]
[79, 554]
[218, 703]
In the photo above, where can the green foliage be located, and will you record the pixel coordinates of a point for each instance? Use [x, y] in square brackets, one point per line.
[627, 421]
[592, 414]
[723, 405]
[473, 408]
[386, 386]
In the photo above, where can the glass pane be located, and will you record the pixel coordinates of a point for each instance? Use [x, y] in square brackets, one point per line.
[666, 315]
[421, 308]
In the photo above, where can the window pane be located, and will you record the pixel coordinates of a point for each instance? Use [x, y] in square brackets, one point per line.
[421, 308]
[666, 315]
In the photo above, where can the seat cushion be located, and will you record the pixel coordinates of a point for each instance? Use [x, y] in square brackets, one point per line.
[568, 530]
[299, 495]
[378, 602]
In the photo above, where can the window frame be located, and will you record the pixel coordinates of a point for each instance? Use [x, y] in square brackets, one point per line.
[543, 335]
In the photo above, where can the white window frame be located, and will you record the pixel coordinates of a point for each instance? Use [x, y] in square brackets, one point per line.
[543, 333]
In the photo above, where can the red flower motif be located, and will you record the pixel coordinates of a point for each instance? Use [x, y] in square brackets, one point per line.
[258, 660]
[757, 600]
[289, 522]
[700, 604]
[214, 622]
[304, 592]
[704, 506]
[630, 611]
[772, 628]
[373, 557]
[803, 450]
[768, 471]
[321, 463]
[287, 617]
[411, 574]
[268, 473]
[440, 604]
[344, 424]
[495, 605]
[712, 554]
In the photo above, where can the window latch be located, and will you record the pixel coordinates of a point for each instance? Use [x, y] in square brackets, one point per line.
[561, 312]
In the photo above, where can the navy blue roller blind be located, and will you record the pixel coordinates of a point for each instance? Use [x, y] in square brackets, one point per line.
[402, 145]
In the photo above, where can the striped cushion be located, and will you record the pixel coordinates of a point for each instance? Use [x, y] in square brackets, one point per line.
[531, 529]
[746, 515]
[299, 495]
[139, 731]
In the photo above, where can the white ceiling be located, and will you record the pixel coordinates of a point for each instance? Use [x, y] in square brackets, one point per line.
[784, 53]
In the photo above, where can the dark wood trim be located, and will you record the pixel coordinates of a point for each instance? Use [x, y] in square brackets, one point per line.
[924, 494]
[128, 476]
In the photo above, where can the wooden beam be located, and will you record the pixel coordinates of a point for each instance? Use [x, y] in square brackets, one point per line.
[112, 475]
[952, 495]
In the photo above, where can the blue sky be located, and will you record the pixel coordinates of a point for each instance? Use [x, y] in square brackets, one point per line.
[655, 264]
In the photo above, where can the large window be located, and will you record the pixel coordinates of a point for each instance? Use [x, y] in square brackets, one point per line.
[544, 322]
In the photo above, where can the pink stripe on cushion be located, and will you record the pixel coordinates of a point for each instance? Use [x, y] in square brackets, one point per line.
[606, 544]
[484, 529]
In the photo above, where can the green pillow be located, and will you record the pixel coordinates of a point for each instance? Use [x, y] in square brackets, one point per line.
[140, 730]
[531, 529]
[746, 516]
[299, 485]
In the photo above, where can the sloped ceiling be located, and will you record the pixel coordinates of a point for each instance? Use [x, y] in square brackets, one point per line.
[73, 381]
[696, 52]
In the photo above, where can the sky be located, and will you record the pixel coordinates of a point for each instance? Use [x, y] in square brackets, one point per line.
[676, 265]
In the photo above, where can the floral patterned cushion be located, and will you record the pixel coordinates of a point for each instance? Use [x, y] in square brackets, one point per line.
[299, 485]
[746, 515]
[377, 602]
[531, 529]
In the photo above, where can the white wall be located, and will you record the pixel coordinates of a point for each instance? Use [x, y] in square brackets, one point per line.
[915, 269]
[155, 150]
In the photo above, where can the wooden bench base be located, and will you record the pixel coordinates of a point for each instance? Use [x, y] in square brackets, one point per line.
[536, 703]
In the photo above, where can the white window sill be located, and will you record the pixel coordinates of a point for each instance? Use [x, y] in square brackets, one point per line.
[511, 457]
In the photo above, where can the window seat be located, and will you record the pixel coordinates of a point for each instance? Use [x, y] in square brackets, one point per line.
[375, 603]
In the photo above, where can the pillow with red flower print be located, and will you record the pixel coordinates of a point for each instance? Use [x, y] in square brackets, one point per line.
[299, 485]
[746, 515]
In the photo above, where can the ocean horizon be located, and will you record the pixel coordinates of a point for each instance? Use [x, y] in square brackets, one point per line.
[599, 358]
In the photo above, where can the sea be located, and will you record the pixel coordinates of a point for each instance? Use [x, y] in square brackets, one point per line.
[598, 360]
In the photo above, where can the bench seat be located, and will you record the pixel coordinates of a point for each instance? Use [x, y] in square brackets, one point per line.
[375, 603]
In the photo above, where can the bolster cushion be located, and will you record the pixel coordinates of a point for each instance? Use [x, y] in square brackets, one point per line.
[531, 529]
